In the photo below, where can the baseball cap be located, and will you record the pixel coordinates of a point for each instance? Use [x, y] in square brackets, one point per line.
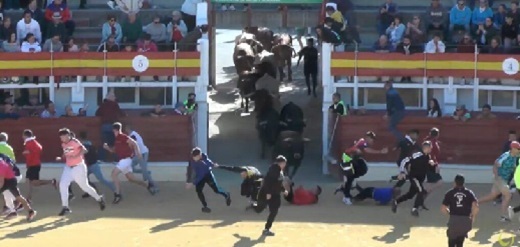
[515, 145]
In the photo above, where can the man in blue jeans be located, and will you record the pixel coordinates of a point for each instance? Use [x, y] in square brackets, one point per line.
[145, 152]
[92, 166]
[395, 111]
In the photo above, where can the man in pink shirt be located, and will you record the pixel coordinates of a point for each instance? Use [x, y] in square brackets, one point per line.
[74, 170]
[9, 183]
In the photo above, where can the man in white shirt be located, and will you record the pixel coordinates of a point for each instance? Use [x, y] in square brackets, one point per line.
[435, 45]
[28, 25]
[143, 163]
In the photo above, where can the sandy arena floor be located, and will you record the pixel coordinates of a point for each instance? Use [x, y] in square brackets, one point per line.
[173, 218]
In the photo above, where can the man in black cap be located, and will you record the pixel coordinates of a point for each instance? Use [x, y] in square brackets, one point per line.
[461, 204]
[269, 194]
[310, 65]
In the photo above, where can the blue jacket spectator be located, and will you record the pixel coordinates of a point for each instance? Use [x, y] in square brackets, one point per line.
[111, 27]
[479, 16]
[396, 31]
[500, 16]
[459, 16]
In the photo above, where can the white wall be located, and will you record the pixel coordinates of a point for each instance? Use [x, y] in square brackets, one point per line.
[91, 100]
[465, 96]
[62, 97]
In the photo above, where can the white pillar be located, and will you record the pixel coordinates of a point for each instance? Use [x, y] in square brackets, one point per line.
[52, 88]
[201, 90]
[328, 90]
[77, 95]
[450, 96]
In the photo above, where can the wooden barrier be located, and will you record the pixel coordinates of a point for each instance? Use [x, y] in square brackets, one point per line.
[97, 64]
[473, 142]
[168, 138]
[423, 64]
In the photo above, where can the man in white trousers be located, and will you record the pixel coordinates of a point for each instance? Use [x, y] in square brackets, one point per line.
[145, 153]
[11, 211]
[74, 170]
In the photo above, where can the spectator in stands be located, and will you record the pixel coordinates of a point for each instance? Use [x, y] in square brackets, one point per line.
[38, 15]
[460, 17]
[109, 112]
[395, 31]
[189, 13]
[6, 29]
[30, 44]
[387, 12]
[180, 109]
[60, 7]
[132, 29]
[111, 28]
[69, 112]
[9, 112]
[157, 111]
[486, 113]
[156, 30]
[466, 45]
[481, 13]
[416, 30]
[33, 108]
[11, 44]
[189, 43]
[486, 32]
[56, 27]
[71, 46]
[509, 32]
[407, 47]
[514, 12]
[435, 45]
[461, 114]
[434, 109]
[494, 47]
[53, 44]
[176, 29]
[436, 17]
[382, 45]
[110, 45]
[329, 35]
[49, 110]
[500, 16]
[28, 25]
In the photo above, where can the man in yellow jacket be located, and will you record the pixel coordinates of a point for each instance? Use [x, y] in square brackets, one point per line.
[5, 148]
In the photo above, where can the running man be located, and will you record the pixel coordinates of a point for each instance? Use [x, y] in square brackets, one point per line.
[269, 194]
[32, 152]
[9, 183]
[382, 196]
[7, 152]
[433, 177]
[125, 148]
[354, 166]
[251, 183]
[10, 210]
[200, 173]
[91, 159]
[461, 205]
[407, 146]
[503, 170]
[512, 136]
[511, 211]
[74, 170]
[300, 196]
[415, 168]
[145, 153]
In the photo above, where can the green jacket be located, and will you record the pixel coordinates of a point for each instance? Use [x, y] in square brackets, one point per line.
[132, 31]
[7, 150]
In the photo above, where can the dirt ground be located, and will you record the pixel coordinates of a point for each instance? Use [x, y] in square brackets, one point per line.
[173, 218]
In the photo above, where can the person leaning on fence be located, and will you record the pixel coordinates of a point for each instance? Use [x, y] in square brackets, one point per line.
[338, 107]
[190, 105]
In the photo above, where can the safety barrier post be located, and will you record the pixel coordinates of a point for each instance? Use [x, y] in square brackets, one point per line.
[328, 89]
[201, 90]
[476, 80]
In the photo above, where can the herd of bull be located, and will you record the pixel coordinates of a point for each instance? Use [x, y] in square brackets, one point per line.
[260, 55]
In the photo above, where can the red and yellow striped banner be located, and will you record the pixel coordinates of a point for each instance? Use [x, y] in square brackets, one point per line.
[429, 65]
[95, 63]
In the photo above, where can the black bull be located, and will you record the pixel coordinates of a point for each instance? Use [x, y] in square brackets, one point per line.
[290, 144]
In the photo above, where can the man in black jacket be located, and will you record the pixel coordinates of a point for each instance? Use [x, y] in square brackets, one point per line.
[270, 190]
[415, 167]
[251, 183]
[407, 147]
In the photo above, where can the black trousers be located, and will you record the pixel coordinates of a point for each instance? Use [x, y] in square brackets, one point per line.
[366, 193]
[456, 242]
[416, 190]
[189, 20]
[274, 204]
[212, 183]
[308, 76]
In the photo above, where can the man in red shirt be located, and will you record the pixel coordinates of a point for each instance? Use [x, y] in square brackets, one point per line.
[125, 148]
[301, 196]
[32, 152]
[60, 7]
[8, 182]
